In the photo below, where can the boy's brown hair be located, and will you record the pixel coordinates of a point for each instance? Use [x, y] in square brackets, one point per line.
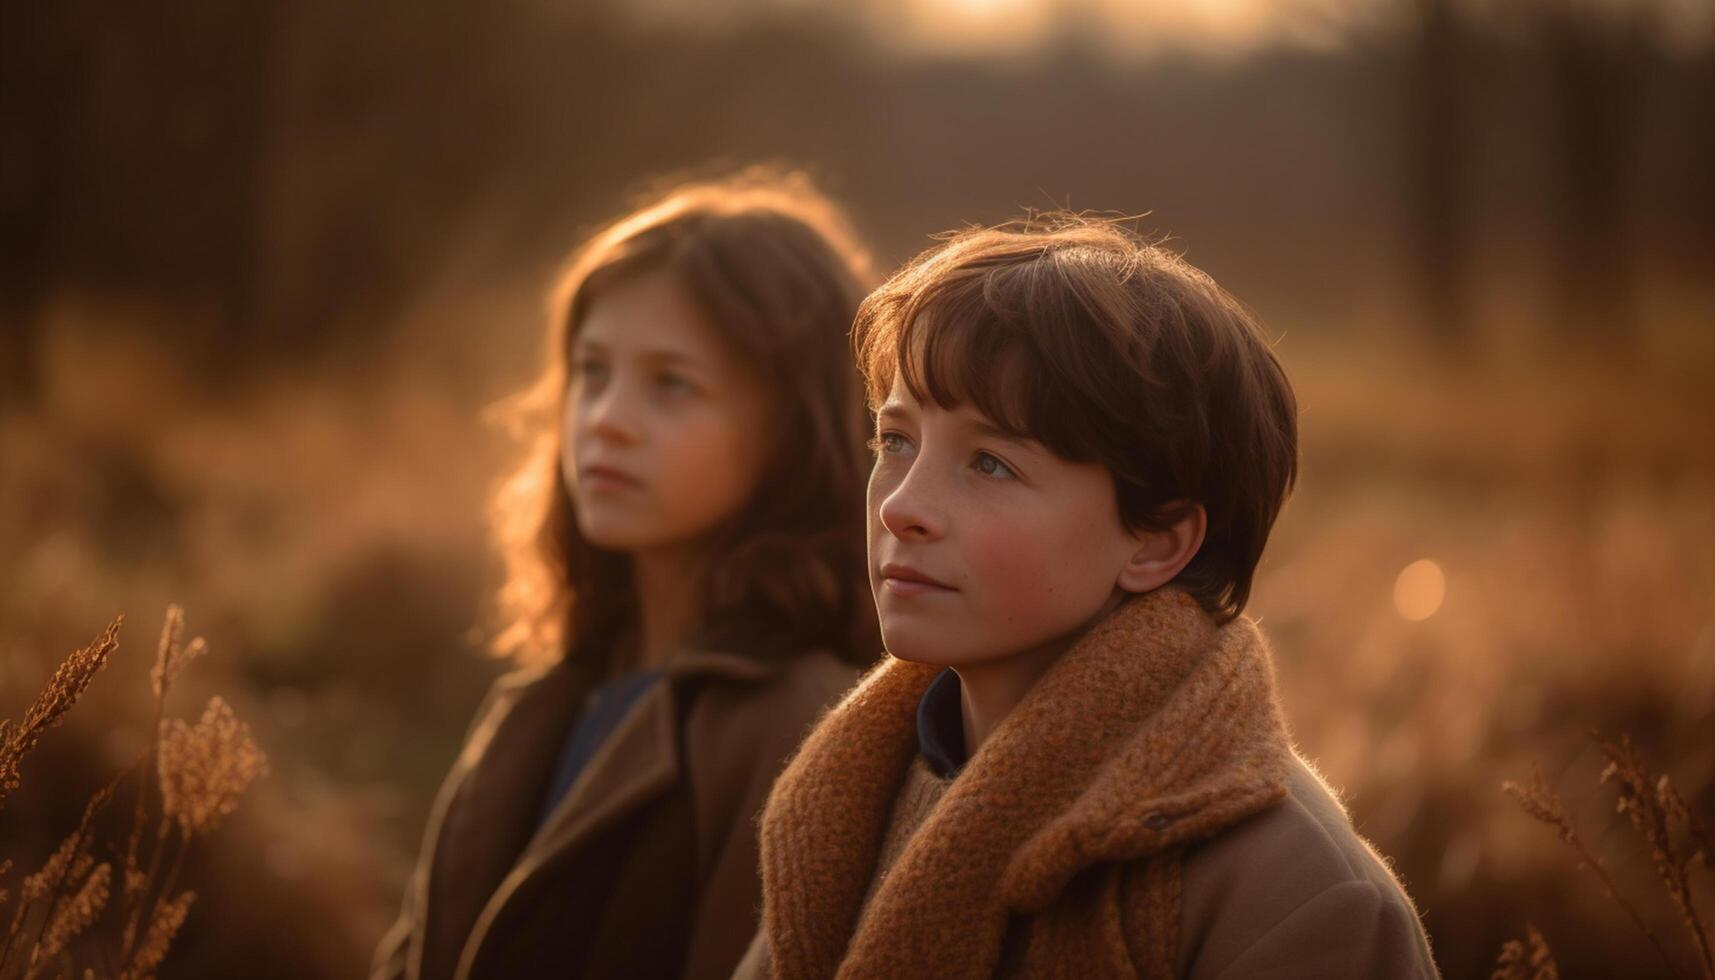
[1079, 334]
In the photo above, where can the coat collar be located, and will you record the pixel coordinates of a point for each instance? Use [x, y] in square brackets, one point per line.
[484, 843]
[1156, 729]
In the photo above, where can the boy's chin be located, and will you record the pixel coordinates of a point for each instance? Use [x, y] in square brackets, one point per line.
[934, 654]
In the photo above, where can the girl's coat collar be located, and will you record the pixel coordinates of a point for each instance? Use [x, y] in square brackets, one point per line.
[498, 769]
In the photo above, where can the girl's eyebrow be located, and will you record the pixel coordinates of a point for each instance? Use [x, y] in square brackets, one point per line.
[657, 355]
[665, 356]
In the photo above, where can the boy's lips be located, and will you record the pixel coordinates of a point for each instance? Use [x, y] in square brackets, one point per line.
[904, 580]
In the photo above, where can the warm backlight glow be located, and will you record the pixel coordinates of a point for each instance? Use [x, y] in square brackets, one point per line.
[1125, 25]
[1418, 591]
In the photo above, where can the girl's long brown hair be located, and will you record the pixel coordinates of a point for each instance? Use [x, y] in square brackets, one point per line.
[777, 270]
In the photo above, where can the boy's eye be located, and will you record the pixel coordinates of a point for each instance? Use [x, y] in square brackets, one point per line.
[990, 465]
[890, 443]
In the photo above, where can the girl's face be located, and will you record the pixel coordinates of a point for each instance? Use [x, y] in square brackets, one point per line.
[666, 431]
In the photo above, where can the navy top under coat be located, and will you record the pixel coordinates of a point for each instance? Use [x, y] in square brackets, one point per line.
[605, 708]
[941, 725]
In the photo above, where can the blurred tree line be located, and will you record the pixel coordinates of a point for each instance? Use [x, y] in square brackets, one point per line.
[281, 179]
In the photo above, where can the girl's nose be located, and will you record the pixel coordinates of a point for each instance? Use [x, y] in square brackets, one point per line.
[610, 414]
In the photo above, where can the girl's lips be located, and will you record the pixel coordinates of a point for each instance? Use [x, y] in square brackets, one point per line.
[603, 478]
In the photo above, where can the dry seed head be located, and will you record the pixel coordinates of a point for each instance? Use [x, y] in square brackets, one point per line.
[171, 656]
[61, 863]
[134, 881]
[1528, 960]
[1649, 803]
[1541, 959]
[1679, 813]
[77, 913]
[163, 926]
[1540, 801]
[67, 684]
[10, 756]
[1636, 798]
[206, 767]
[71, 859]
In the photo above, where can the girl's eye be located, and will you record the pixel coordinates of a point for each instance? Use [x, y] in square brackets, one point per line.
[989, 465]
[672, 384]
[589, 370]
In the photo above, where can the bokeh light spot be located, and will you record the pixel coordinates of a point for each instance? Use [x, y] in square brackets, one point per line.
[1419, 590]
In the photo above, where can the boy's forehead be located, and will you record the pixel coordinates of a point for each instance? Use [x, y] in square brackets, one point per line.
[900, 401]
[898, 394]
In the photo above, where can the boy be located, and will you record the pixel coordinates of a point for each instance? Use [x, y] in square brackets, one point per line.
[1072, 762]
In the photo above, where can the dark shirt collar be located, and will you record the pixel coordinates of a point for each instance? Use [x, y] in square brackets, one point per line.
[941, 726]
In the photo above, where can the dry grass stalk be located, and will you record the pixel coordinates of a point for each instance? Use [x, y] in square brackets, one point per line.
[200, 771]
[1654, 809]
[172, 655]
[163, 927]
[68, 866]
[78, 913]
[1538, 799]
[64, 688]
[1527, 960]
[1681, 815]
[1644, 799]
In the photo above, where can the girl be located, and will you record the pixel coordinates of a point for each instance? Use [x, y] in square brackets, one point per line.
[686, 589]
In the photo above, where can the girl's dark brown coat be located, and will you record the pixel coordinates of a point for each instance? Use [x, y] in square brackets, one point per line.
[647, 868]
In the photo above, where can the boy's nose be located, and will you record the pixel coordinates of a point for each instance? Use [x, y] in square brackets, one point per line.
[910, 513]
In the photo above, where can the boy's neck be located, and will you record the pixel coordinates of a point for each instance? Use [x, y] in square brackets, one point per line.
[990, 689]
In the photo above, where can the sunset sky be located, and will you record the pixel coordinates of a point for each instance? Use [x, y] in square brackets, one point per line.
[1142, 27]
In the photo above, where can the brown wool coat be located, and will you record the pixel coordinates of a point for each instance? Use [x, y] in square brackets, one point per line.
[1139, 814]
[647, 868]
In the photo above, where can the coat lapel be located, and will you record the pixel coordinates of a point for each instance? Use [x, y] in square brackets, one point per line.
[1156, 727]
[481, 818]
[639, 760]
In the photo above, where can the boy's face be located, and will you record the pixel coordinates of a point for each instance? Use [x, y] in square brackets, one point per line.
[1019, 547]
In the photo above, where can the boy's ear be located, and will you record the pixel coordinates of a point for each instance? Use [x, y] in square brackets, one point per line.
[1160, 555]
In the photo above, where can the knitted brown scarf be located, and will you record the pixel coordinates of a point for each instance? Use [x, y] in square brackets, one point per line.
[1155, 730]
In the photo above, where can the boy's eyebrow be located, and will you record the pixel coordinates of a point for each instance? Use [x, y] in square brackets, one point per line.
[983, 426]
[892, 408]
[980, 425]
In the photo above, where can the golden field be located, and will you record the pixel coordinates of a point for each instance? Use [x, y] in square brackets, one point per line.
[324, 534]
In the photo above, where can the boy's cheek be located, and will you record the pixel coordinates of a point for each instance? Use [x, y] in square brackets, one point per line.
[1013, 571]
